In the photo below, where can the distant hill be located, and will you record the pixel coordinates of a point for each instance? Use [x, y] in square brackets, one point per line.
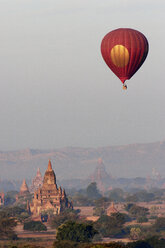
[134, 160]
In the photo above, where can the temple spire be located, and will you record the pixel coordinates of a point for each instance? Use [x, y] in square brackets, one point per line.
[24, 187]
[38, 172]
[49, 166]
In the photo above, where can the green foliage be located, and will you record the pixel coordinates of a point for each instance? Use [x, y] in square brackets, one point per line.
[98, 246]
[141, 196]
[81, 200]
[34, 226]
[111, 226]
[10, 198]
[137, 211]
[65, 244]
[71, 244]
[110, 245]
[102, 202]
[77, 232]
[68, 215]
[128, 206]
[49, 212]
[135, 233]
[116, 195]
[6, 228]
[155, 242]
[92, 191]
[98, 211]
[159, 224]
[11, 211]
[139, 244]
[142, 219]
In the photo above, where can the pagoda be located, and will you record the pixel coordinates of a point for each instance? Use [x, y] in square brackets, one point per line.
[23, 194]
[37, 181]
[49, 196]
[100, 176]
[24, 189]
[111, 209]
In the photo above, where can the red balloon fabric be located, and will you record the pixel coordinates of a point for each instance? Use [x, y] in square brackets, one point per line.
[124, 51]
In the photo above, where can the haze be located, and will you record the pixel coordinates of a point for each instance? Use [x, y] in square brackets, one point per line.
[57, 91]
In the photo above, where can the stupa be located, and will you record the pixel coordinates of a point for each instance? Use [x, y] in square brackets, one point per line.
[111, 209]
[24, 189]
[100, 176]
[37, 181]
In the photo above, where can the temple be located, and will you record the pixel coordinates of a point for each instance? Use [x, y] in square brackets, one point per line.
[100, 176]
[111, 209]
[49, 196]
[36, 182]
[24, 189]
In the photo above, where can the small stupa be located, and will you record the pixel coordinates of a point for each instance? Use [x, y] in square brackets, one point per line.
[111, 209]
[36, 182]
[24, 188]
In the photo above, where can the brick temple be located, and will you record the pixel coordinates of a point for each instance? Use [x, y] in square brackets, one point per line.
[36, 182]
[49, 196]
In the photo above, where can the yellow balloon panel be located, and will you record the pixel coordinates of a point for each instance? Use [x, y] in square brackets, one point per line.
[119, 56]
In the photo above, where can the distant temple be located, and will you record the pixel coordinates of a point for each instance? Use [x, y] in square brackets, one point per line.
[37, 181]
[23, 193]
[111, 209]
[2, 199]
[24, 190]
[49, 196]
[100, 176]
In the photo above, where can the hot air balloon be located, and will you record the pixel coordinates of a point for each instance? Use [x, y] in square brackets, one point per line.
[124, 50]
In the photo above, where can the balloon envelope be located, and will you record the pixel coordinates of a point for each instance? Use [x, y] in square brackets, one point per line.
[124, 51]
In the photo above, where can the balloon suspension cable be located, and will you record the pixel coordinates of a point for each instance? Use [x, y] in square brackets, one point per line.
[124, 86]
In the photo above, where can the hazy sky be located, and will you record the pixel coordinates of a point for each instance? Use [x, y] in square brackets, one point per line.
[57, 91]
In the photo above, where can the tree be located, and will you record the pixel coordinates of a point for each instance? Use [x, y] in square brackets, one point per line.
[142, 219]
[11, 211]
[6, 228]
[10, 198]
[109, 245]
[98, 211]
[68, 215]
[159, 224]
[140, 196]
[77, 232]
[116, 195]
[135, 233]
[139, 244]
[34, 226]
[156, 242]
[92, 191]
[81, 200]
[102, 202]
[111, 226]
[137, 211]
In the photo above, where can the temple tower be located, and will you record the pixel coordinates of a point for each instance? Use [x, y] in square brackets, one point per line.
[49, 196]
[24, 188]
[37, 181]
